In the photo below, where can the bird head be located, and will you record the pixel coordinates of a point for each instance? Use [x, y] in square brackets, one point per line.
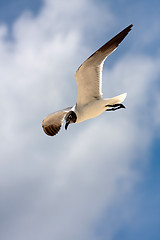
[70, 117]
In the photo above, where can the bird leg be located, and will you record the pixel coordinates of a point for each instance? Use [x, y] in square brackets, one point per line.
[114, 107]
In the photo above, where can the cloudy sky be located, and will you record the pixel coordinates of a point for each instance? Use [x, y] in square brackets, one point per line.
[99, 179]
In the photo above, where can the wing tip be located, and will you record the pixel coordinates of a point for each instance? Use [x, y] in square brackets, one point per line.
[120, 36]
[51, 130]
[129, 28]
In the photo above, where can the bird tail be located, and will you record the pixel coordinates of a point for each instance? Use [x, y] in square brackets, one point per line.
[116, 100]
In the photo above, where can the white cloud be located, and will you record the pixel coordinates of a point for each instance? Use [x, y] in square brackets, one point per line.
[60, 188]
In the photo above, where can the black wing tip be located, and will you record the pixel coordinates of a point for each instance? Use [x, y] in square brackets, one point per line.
[129, 28]
[115, 40]
[51, 130]
[125, 31]
[120, 36]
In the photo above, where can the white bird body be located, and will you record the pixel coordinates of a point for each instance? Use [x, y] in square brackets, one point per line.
[90, 103]
[90, 110]
[96, 107]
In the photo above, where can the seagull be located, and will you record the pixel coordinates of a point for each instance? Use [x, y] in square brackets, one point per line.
[90, 103]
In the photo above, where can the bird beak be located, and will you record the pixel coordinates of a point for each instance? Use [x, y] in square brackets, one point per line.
[66, 125]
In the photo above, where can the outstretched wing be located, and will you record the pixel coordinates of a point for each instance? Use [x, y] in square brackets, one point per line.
[53, 122]
[89, 74]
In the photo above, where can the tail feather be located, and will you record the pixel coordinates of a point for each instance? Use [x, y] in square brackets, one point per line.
[116, 100]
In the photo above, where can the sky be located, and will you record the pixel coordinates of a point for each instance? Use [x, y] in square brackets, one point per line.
[99, 179]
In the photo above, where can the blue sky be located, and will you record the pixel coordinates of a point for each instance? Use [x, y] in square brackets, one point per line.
[100, 179]
[10, 10]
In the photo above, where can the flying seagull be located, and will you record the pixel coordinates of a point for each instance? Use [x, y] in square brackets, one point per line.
[90, 103]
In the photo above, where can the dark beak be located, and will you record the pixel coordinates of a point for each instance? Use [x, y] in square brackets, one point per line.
[66, 125]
